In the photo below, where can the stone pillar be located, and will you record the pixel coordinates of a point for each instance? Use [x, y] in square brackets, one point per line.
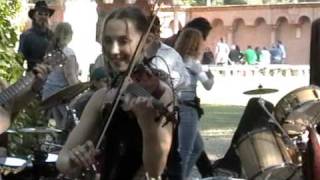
[230, 30]
[298, 30]
[274, 31]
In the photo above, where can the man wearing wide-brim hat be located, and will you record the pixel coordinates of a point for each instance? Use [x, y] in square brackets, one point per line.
[35, 41]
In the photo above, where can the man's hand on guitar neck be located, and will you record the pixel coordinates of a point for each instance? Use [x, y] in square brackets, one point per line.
[41, 72]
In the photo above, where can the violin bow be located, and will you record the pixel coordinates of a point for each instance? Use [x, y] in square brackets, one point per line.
[134, 60]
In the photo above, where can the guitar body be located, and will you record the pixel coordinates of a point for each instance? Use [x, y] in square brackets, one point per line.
[4, 120]
[9, 95]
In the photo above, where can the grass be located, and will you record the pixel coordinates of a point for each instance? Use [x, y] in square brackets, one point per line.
[221, 117]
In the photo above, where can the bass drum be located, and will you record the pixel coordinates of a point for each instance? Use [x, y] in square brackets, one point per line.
[264, 155]
[299, 109]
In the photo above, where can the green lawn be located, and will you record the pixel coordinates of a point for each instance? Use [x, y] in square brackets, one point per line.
[221, 117]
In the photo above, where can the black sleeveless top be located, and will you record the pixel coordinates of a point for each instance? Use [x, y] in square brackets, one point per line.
[123, 147]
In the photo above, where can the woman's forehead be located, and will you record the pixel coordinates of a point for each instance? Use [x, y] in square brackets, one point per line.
[119, 27]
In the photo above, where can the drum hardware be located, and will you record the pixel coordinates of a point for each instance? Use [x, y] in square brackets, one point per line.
[260, 90]
[11, 131]
[65, 95]
[39, 130]
[72, 114]
[53, 145]
[272, 120]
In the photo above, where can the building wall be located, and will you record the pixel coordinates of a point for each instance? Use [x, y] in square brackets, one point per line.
[255, 25]
[260, 25]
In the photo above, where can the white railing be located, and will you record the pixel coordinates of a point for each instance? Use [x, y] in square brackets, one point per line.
[259, 70]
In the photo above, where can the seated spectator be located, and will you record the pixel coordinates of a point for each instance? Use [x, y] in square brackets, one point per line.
[235, 55]
[250, 55]
[208, 57]
[265, 57]
[276, 56]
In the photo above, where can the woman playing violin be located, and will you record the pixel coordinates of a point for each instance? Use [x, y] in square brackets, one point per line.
[135, 140]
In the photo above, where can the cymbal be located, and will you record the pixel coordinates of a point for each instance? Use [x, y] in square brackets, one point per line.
[39, 130]
[260, 90]
[65, 95]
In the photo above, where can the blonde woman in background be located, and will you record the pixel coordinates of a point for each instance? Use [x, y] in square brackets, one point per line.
[189, 44]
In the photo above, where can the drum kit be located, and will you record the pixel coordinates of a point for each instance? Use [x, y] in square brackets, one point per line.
[277, 153]
[264, 152]
[41, 163]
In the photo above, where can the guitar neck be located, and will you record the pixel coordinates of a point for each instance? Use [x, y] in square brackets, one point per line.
[14, 90]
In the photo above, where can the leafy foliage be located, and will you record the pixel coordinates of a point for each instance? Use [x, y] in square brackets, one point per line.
[10, 61]
[11, 69]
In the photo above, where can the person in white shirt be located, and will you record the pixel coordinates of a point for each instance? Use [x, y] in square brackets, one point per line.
[222, 53]
[165, 58]
[265, 57]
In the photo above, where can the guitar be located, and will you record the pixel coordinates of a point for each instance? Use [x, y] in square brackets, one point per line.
[53, 59]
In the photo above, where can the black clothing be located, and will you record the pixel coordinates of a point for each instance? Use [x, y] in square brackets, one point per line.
[123, 147]
[235, 56]
[208, 58]
[34, 44]
[254, 117]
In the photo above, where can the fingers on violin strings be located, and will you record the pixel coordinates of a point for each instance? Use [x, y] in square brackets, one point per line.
[92, 150]
[80, 156]
[74, 157]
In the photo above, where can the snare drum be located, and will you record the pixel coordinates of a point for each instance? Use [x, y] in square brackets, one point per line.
[11, 165]
[299, 109]
[294, 100]
[263, 155]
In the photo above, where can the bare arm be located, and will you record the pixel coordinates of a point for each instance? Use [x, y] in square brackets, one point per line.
[82, 135]
[71, 70]
[156, 139]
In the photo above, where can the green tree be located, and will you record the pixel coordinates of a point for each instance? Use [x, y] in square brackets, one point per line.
[10, 61]
[11, 69]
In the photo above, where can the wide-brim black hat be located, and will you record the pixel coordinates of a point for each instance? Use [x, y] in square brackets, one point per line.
[40, 5]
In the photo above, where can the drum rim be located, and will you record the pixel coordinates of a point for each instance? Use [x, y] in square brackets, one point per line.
[281, 101]
[254, 131]
[282, 165]
[296, 90]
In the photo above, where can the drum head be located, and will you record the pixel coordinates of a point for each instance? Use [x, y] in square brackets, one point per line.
[52, 158]
[297, 121]
[12, 162]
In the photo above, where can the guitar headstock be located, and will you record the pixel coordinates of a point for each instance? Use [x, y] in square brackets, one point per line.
[54, 58]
